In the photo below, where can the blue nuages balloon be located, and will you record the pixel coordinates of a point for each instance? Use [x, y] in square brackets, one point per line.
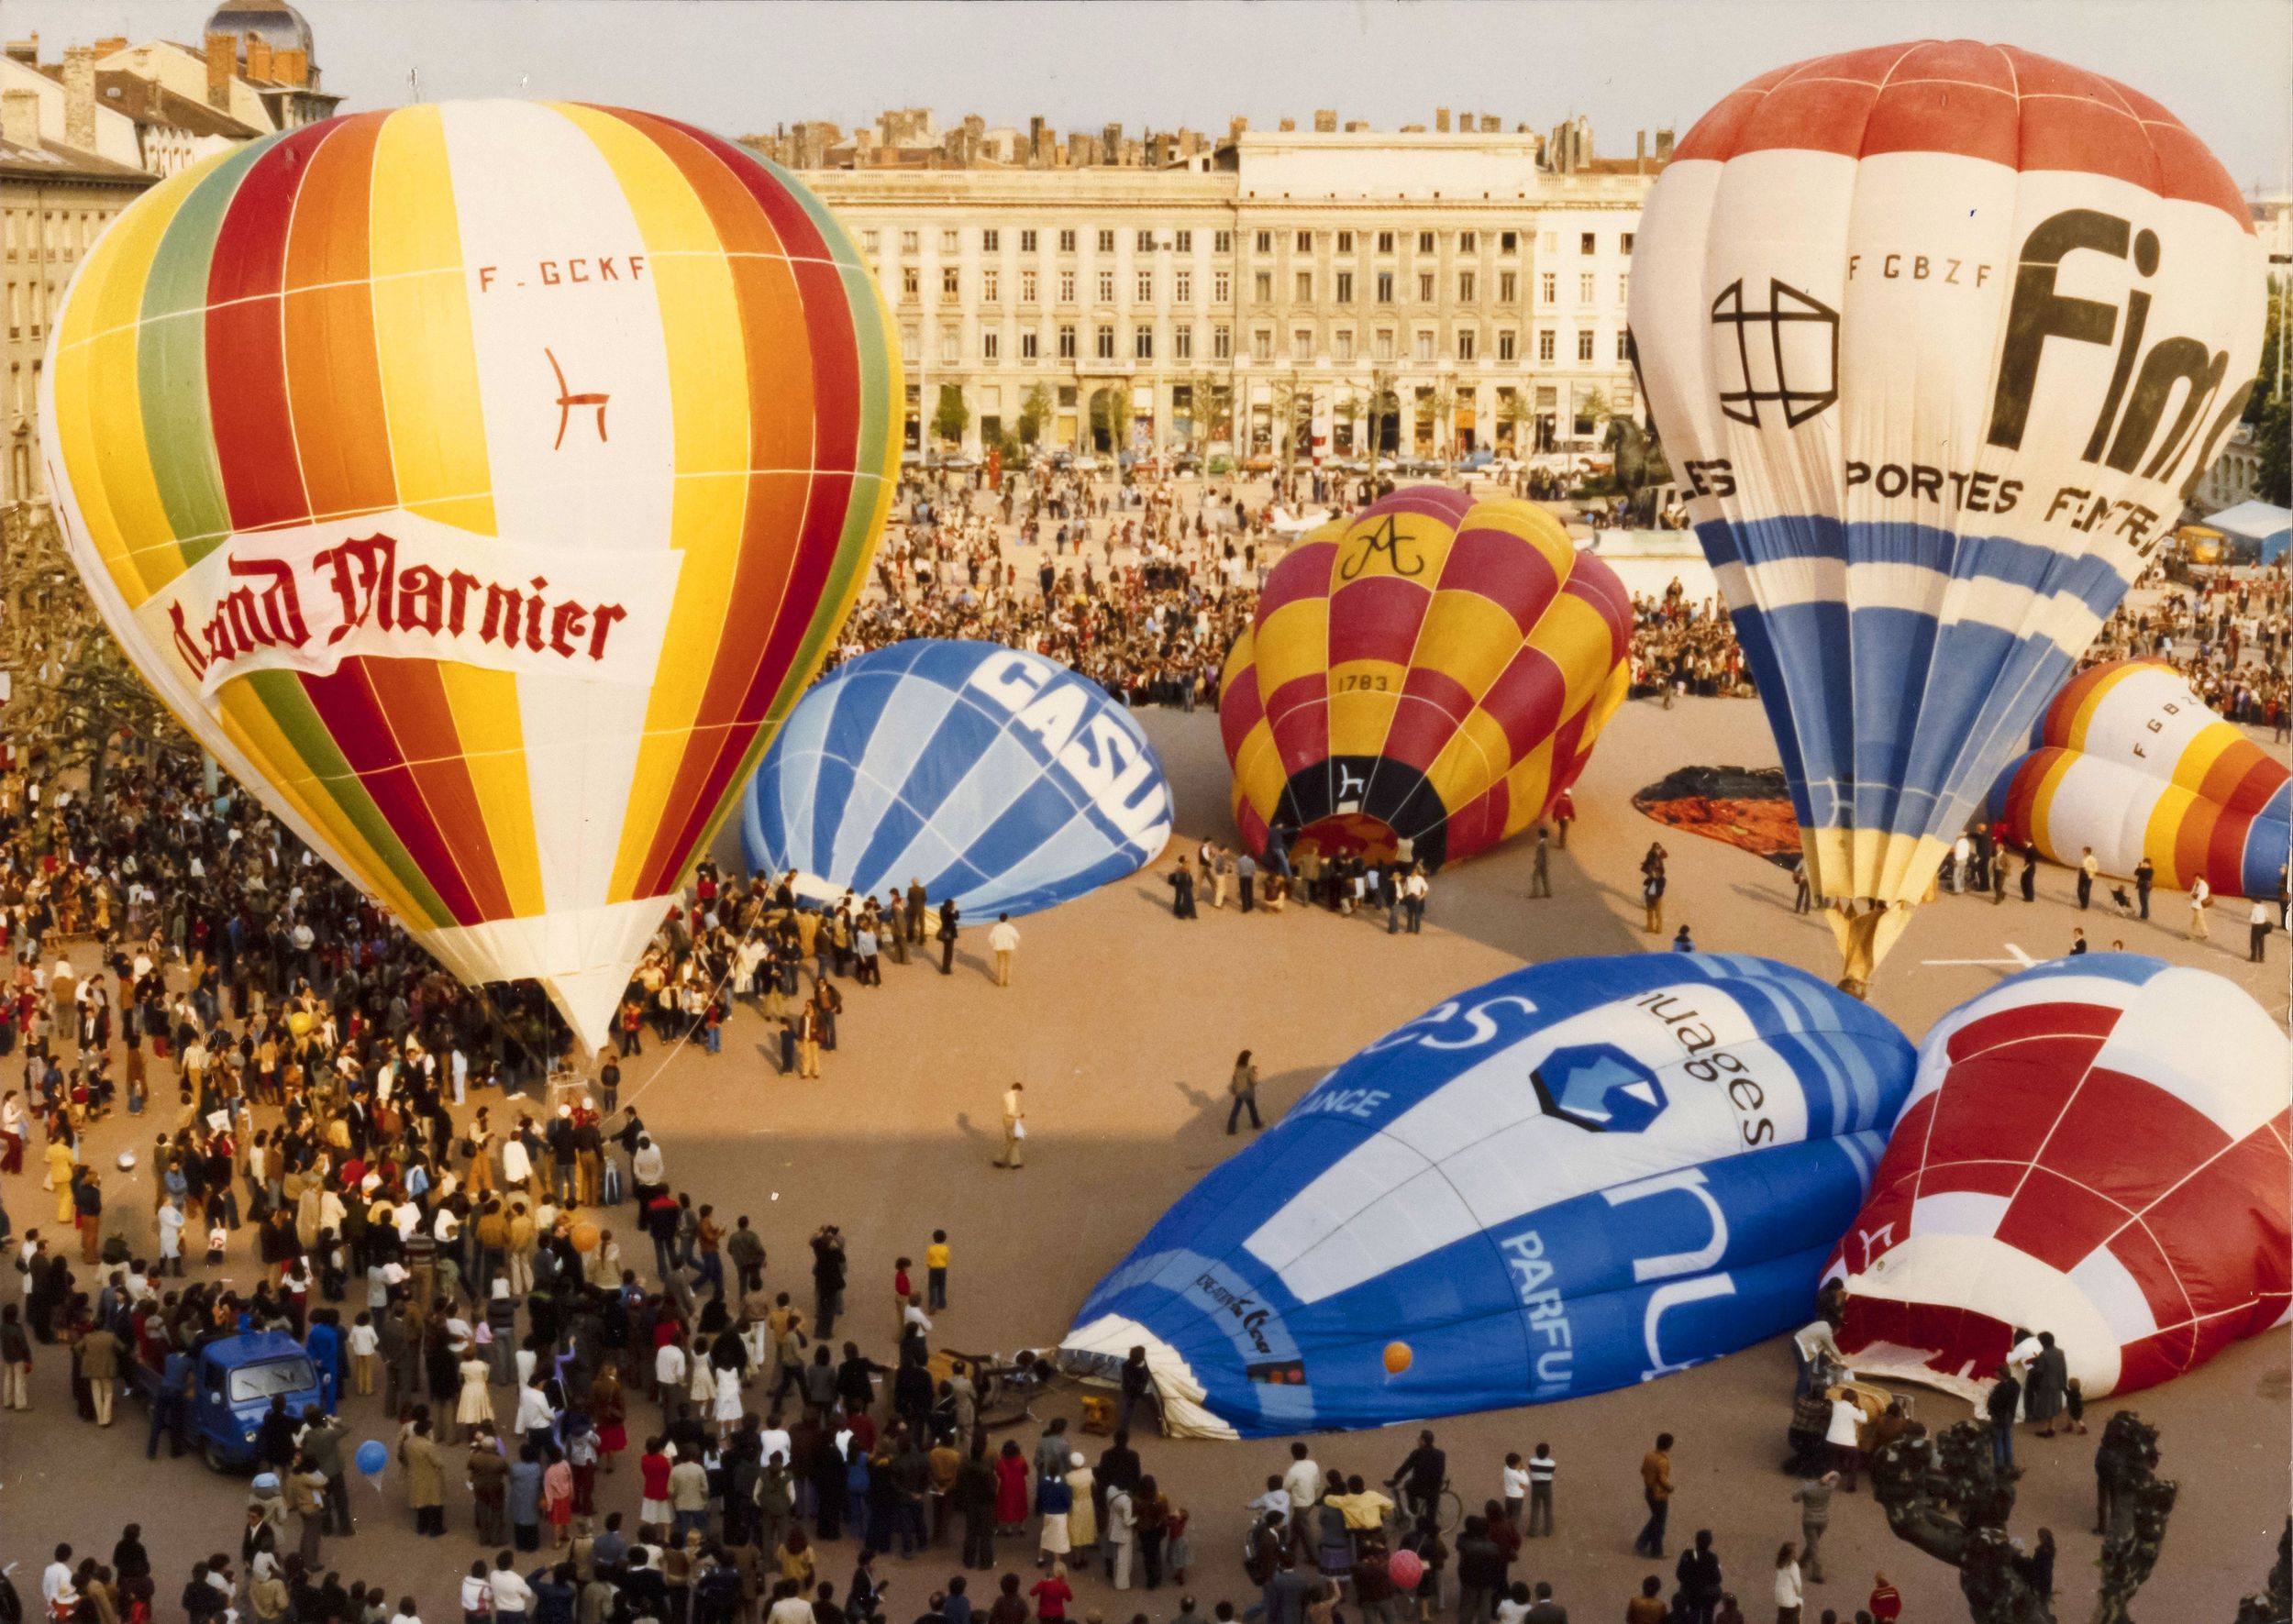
[996, 777]
[1575, 1177]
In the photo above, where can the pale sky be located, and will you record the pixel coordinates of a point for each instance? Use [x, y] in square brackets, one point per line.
[2223, 66]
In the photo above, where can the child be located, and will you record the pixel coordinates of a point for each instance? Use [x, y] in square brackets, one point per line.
[1516, 1486]
[1176, 1554]
[935, 1273]
[899, 1290]
[2074, 1405]
[364, 1342]
[218, 1242]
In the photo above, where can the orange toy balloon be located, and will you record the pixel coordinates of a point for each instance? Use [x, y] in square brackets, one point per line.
[585, 1236]
[1397, 1358]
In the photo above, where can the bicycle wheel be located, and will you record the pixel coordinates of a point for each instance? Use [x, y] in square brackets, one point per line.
[1450, 1515]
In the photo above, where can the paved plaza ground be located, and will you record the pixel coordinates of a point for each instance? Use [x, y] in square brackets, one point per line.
[1124, 1023]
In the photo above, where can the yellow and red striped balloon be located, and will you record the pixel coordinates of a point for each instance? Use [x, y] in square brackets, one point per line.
[482, 483]
[1432, 668]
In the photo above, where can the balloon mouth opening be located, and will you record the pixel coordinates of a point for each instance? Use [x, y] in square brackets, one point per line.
[1354, 834]
[1958, 1349]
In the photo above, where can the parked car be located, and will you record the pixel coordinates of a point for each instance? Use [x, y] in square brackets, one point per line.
[236, 1377]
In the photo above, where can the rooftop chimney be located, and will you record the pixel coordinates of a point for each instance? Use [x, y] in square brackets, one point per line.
[79, 97]
[1441, 120]
[1491, 124]
[259, 60]
[1356, 126]
[1288, 125]
[1237, 125]
[19, 118]
[1664, 146]
[1325, 121]
[110, 43]
[222, 65]
[1640, 151]
[26, 51]
[291, 67]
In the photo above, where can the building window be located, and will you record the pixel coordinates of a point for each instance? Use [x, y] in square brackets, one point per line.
[1382, 347]
[1145, 242]
[1030, 346]
[1304, 290]
[1508, 242]
[1102, 343]
[1183, 288]
[1262, 287]
[1026, 242]
[1067, 241]
[1547, 287]
[1106, 287]
[947, 242]
[1183, 342]
[1222, 343]
[990, 241]
[1222, 242]
[1545, 344]
[1623, 346]
[1385, 242]
[1183, 241]
[1465, 287]
[1506, 344]
[1305, 242]
[991, 286]
[1584, 344]
[1584, 288]
[1027, 287]
[950, 346]
[1106, 242]
[991, 346]
[1146, 287]
[1262, 344]
[1465, 344]
[1425, 242]
[870, 240]
[1624, 243]
[1344, 287]
[1508, 287]
[907, 242]
[1067, 341]
[1424, 287]
[1301, 345]
[1344, 242]
[911, 339]
[950, 282]
[1424, 343]
[1468, 242]
[1266, 242]
[1221, 287]
[1385, 287]
[1067, 287]
[1143, 344]
[909, 281]
[1625, 289]
[1342, 344]
[1584, 243]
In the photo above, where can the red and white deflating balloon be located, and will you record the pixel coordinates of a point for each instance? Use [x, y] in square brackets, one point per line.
[2097, 1148]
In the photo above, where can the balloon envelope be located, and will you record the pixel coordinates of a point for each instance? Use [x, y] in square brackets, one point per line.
[995, 777]
[1572, 1178]
[1434, 669]
[1939, 337]
[480, 482]
[2096, 1148]
[2128, 760]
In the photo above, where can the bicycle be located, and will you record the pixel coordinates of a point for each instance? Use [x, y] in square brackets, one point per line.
[1448, 1509]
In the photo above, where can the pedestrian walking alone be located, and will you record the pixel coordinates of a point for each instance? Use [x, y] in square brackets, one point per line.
[1244, 1087]
[1015, 1126]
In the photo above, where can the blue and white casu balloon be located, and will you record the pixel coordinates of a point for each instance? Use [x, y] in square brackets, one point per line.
[993, 776]
[1576, 1178]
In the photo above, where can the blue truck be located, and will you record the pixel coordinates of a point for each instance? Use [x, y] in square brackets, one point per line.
[235, 1379]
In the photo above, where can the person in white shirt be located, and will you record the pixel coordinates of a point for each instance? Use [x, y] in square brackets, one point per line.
[1002, 941]
[2200, 898]
[789, 1607]
[511, 1593]
[55, 1579]
[1789, 1593]
[774, 1440]
[646, 1164]
[669, 1370]
[1514, 1481]
[1541, 1469]
[1304, 1484]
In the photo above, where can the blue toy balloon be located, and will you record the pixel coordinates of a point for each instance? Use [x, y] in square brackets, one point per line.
[373, 1457]
[1576, 1178]
[995, 777]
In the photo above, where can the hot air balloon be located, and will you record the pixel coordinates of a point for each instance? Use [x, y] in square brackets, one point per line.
[480, 484]
[2095, 1148]
[1939, 336]
[2128, 760]
[1433, 669]
[1575, 1177]
[995, 777]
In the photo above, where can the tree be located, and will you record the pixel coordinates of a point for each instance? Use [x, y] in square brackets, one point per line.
[2273, 439]
[1594, 408]
[1444, 407]
[952, 416]
[1514, 409]
[1033, 413]
[1384, 403]
[1347, 412]
[1106, 417]
[1210, 414]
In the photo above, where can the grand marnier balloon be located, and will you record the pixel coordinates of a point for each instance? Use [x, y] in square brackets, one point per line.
[1575, 1177]
[995, 777]
[1939, 337]
[1432, 668]
[480, 484]
[2096, 1148]
[2128, 760]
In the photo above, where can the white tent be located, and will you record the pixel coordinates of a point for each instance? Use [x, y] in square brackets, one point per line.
[2261, 526]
